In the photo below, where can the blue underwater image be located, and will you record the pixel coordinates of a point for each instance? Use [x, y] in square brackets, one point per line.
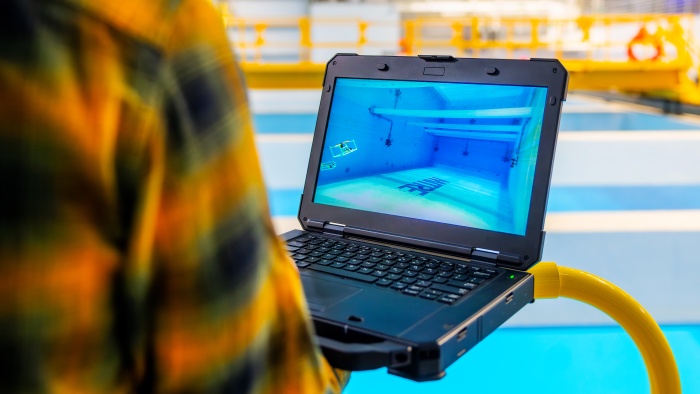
[455, 153]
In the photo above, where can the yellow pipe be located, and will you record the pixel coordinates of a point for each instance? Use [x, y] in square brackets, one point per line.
[552, 281]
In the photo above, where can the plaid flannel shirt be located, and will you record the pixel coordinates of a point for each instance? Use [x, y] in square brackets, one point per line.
[136, 249]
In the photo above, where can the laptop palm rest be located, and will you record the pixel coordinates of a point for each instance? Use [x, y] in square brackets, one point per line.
[391, 313]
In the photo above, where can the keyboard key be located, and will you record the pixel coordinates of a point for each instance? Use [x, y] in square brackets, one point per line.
[302, 264]
[365, 270]
[298, 256]
[361, 257]
[348, 254]
[393, 276]
[416, 268]
[424, 277]
[461, 277]
[410, 274]
[402, 265]
[341, 259]
[337, 265]
[447, 300]
[384, 282]
[439, 280]
[428, 296]
[323, 249]
[472, 279]
[382, 267]
[463, 285]
[408, 280]
[423, 283]
[410, 292]
[445, 274]
[374, 259]
[394, 270]
[482, 275]
[449, 289]
[325, 262]
[430, 271]
[416, 288]
[367, 264]
[312, 259]
[328, 256]
[399, 286]
[345, 274]
[434, 292]
[377, 254]
[351, 267]
[379, 273]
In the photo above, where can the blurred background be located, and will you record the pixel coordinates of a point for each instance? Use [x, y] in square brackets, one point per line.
[625, 196]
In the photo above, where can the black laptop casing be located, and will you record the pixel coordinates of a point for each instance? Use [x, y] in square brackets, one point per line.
[362, 326]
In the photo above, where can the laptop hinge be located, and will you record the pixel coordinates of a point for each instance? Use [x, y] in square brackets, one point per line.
[496, 257]
[327, 227]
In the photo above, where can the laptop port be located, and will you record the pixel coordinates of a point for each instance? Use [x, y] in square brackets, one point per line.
[509, 298]
[462, 334]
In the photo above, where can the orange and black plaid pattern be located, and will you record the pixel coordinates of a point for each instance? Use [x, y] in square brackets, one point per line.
[136, 248]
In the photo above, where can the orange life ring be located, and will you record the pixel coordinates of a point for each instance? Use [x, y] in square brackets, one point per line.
[643, 37]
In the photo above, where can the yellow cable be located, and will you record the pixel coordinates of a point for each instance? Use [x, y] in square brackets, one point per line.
[552, 281]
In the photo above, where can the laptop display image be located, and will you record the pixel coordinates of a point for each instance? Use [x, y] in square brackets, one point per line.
[424, 205]
[411, 149]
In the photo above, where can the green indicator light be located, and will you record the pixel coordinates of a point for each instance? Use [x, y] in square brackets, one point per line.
[512, 276]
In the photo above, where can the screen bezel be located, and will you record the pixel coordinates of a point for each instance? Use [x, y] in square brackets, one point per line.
[529, 73]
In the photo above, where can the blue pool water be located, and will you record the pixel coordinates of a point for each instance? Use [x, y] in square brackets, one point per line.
[621, 121]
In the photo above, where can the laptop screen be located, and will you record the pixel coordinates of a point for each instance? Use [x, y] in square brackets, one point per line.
[455, 153]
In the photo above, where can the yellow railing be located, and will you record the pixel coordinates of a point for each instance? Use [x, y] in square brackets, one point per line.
[651, 53]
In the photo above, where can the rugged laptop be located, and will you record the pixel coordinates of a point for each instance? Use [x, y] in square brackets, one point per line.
[424, 204]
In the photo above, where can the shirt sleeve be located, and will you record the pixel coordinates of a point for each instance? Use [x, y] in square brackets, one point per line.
[137, 252]
[229, 310]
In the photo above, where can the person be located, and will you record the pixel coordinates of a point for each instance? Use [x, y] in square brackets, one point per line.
[137, 253]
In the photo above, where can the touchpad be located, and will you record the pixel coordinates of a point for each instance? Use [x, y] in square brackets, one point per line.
[322, 294]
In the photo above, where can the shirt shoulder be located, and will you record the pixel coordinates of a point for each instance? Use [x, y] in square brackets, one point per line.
[151, 21]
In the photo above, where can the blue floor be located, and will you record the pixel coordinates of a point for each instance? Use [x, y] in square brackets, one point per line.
[549, 360]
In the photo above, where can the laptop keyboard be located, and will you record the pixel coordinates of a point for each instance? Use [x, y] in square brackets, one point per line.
[409, 273]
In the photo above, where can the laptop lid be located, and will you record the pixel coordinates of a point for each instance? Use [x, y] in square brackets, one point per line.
[448, 154]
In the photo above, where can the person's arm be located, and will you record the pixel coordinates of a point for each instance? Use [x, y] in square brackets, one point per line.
[228, 306]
